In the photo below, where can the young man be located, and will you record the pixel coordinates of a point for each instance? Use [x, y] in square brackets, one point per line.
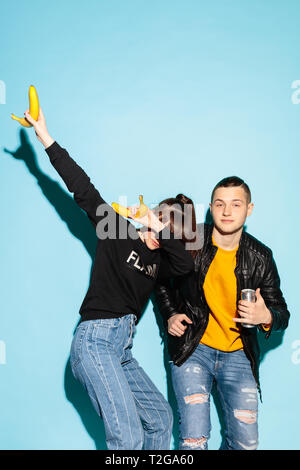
[207, 340]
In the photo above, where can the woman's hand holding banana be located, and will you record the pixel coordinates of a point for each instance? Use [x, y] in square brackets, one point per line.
[40, 128]
[34, 117]
[141, 214]
[148, 220]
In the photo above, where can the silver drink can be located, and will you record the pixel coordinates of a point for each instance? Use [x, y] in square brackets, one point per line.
[248, 294]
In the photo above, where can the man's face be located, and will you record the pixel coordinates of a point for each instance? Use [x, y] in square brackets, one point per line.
[230, 209]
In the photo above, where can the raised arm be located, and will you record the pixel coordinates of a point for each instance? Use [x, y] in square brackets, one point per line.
[76, 180]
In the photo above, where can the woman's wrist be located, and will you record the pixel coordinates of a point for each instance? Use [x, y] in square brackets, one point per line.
[47, 141]
[156, 224]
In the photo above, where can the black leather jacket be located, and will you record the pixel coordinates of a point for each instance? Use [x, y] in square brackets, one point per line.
[255, 267]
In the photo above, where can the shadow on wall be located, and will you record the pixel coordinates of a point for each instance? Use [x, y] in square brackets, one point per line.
[79, 398]
[81, 227]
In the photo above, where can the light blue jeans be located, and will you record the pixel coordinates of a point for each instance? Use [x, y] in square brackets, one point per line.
[236, 388]
[135, 414]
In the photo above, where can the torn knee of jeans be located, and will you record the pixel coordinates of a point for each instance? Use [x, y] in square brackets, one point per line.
[252, 445]
[196, 398]
[195, 443]
[245, 416]
[251, 392]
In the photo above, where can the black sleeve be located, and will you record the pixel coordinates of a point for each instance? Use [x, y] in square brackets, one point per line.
[274, 300]
[175, 259]
[78, 182]
[164, 299]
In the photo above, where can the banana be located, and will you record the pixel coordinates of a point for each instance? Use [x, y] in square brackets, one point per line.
[143, 209]
[34, 108]
[121, 209]
[125, 212]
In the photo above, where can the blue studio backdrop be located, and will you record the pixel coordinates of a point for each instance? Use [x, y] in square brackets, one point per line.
[149, 97]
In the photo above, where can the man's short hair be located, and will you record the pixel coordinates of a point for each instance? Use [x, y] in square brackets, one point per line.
[232, 181]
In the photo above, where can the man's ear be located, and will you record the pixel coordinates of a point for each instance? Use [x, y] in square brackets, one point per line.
[250, 208]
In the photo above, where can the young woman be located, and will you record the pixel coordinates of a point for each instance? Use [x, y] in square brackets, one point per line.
[127, 264]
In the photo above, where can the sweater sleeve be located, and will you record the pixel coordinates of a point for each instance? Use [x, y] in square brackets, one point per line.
[78, 182]
[175, 259]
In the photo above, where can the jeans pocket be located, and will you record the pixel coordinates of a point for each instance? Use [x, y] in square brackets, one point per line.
[104, 332]
[130, 333]
[76, 346]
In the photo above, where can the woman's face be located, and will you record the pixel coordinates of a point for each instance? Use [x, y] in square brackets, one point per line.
[150, 240]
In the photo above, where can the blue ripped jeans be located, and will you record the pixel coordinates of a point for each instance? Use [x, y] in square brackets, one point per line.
[135, 413]
[236, 388]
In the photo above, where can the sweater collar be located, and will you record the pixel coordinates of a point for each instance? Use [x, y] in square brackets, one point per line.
[209, 230]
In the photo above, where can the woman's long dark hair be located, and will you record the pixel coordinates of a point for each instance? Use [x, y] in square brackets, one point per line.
[184, 210]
